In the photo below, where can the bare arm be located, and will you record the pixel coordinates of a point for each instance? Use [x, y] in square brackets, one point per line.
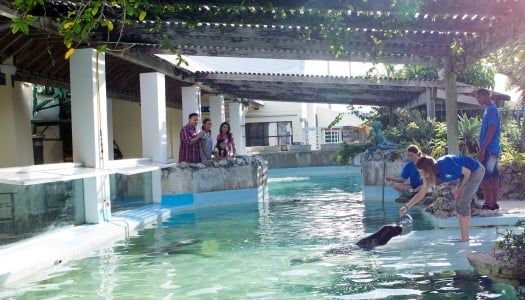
[197, 137]
[394, 179]
[417, 197]
[466, 175]
[488, 137]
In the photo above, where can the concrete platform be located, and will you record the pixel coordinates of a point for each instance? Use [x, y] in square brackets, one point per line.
[509, 213]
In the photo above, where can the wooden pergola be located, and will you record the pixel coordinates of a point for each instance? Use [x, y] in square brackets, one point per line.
[433, 32]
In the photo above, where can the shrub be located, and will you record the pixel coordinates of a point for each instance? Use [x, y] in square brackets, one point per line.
[512, 245]
[348, 151]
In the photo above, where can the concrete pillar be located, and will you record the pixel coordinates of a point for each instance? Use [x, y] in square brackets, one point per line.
[15, 116]
[89, 128]
[191, 102]
[430, 98]
[237, 127]
[312, 126]
[153, 114]
[111, 153]
[154, 133]
[451, 106]
[216, 114]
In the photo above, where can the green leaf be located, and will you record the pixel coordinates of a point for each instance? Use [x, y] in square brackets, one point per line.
[142, 15]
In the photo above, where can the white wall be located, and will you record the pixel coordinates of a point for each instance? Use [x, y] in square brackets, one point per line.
[15, 124]
[325, 116]
[274, 111]
[127, 128]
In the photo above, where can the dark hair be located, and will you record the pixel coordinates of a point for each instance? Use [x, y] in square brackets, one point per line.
[229, 127]
[221, 152]
[228, 133]
[414, 149]
[193, 115]
[482, 92]
[204, 122]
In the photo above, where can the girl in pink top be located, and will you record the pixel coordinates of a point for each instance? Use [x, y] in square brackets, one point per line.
[225, 134]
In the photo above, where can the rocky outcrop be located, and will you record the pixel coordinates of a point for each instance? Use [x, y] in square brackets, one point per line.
[496, 265]
[442, 203]
[512, 185]
[241, 172]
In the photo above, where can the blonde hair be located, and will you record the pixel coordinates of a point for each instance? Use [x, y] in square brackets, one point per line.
[428, 165]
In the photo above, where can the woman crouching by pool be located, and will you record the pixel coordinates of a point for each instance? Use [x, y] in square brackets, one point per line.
[449, 168]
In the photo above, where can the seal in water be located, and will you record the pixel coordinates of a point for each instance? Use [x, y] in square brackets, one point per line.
[379, 238]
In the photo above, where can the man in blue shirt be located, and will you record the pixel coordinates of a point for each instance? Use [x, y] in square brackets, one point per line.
[488, 155]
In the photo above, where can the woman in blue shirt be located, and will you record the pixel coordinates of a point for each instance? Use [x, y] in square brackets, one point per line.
[409, 171]
[449, 168]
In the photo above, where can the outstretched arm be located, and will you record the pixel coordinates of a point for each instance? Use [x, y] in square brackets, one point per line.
[394, 179]
[417, 197]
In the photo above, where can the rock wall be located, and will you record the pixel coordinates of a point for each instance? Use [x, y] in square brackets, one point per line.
[230, 174]
[295, 159]
[379, 164]
[512, 185]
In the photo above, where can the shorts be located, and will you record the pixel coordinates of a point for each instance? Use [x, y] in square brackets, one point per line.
[490, 162]
[470, 189]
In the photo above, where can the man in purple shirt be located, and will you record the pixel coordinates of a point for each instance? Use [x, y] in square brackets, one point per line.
[189, 150]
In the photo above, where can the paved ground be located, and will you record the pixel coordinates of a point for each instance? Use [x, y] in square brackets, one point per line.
[509, 213]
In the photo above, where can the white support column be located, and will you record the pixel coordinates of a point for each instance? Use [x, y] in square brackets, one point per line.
[153, 114]
[237, 127]
[111, 151]
[451, 107]
[431, 103]
[191, 102]
[154, 134]
[216, 113]
[89, 127]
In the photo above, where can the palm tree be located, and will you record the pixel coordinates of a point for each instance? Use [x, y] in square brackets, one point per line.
[469, 134]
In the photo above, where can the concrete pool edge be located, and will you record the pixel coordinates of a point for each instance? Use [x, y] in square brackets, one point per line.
[33, 258]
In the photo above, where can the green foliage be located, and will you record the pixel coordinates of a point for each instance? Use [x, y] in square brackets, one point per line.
[22, 24]
[513, 245]
[421, 72]
[478, 74]
[84, 18]
[348, 151]
[469, 134]
[412, 128]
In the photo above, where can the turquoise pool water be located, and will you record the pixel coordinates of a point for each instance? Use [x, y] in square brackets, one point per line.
[245, 252]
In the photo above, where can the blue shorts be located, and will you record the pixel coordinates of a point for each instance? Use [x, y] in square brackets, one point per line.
[490, 162]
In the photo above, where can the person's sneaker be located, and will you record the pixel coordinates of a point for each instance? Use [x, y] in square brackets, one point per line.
[490, 207]
[408, 193]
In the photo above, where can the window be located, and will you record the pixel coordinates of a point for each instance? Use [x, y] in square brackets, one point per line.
[332, 135]
[269, 134]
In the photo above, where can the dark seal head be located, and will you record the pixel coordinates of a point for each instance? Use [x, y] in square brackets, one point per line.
[379, 238]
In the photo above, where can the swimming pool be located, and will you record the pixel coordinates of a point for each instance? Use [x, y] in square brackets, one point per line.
[245, 252]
